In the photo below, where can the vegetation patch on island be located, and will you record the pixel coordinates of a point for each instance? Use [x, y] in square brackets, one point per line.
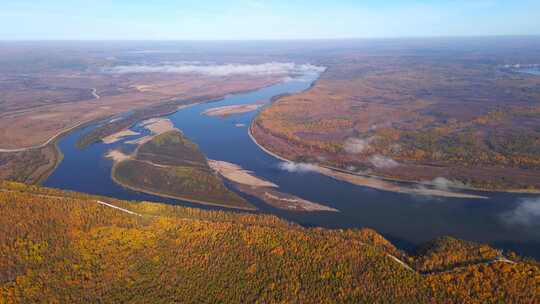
[170, 165]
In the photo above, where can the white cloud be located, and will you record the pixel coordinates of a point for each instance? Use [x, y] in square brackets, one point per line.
[441, 183]
[383, 162]
[270, 68]
[351, 168]
[297, 167]
[154, 52]
[306, 77]
[527, 213]
[357, 145]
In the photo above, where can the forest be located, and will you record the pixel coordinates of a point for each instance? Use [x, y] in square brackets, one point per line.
[66, 247]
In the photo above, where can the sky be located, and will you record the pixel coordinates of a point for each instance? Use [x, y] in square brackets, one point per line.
[263, 19]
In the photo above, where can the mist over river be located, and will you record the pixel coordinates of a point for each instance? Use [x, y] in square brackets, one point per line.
[503, 220]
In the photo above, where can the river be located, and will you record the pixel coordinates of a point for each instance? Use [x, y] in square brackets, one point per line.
[404, 219]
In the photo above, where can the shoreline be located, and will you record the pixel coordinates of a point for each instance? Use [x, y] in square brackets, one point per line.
[58, 157]
[336, 172]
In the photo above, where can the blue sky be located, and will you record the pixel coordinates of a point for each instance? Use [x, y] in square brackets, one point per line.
[264, 19]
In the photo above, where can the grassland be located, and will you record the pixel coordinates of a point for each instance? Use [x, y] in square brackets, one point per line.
[172, 166]
[32, 123]
[66, 247]
[417, 113]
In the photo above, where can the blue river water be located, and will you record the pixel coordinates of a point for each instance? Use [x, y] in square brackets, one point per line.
[404, 219]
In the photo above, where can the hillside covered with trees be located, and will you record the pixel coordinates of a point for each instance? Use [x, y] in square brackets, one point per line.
[65, 247]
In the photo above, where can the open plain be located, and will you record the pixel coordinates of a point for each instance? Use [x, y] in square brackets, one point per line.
[50, 89]
[447, 109]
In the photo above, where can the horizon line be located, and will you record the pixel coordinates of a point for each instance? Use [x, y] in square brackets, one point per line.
[271, 39]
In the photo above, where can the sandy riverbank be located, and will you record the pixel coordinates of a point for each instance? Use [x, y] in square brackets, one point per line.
[246, 182]
[118, 136]
[370, 181]
[230, 110]
[117, 156]
[156, 126]
[236, 174]
[390, 186]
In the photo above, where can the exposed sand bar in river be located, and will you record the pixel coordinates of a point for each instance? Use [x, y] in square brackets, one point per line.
[155, 125]
[118, 136]
[371, 182]
[117, 156]
[236, 174]
[246, 182]
[229, 110]
[158, 125]
[288, 201]
[389, 186]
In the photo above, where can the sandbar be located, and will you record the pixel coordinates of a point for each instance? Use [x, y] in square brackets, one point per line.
[236, 174]
[158, 125]
[117, 156]
[390, 186]
[246, 182]
[229, 110]
[118, 136]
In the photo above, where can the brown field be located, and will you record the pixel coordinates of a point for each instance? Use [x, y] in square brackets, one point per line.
[49, 89]
[416, 114]
[30, 117]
